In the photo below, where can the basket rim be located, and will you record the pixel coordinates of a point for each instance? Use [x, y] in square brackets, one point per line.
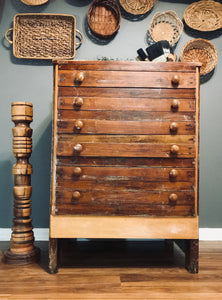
[168, 12]
[33, 2]
[194, 5]
[43, 15]
[149, 6]
[212, 46]
[100, 4]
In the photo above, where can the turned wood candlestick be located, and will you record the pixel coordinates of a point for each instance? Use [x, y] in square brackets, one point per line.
[22, 250]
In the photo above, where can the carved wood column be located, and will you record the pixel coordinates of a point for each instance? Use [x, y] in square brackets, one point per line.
[22, 250]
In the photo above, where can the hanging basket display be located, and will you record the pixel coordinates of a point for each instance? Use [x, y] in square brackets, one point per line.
[204, 15]
[104, 18]
[137, 7]
[200, 50]
[166, 26]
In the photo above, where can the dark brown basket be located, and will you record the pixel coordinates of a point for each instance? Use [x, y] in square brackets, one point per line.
[104, 18]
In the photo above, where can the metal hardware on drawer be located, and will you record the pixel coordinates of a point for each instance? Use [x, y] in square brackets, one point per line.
[175, 105]
[175, 80]
[174, 149]
[173, 198]
[77, 171]
[173, 127]
[79, 77]
[78, 124]
[77, 148]
[173, 173]
[78, 102]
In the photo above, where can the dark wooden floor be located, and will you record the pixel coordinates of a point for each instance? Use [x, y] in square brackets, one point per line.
[105, 269]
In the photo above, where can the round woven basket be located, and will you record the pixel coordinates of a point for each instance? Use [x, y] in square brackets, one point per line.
[137, 7]
[34, 2]
[104, 18]
[200, 50]
[166, 26]
[204, 15]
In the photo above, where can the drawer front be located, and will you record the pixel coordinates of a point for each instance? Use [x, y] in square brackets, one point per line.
[124, 202]
[113, 149]
[125, 104]
[103, 78]
[90, 126]
[90, 173]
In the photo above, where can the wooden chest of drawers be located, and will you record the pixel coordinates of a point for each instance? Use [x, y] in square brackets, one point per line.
[125, 152]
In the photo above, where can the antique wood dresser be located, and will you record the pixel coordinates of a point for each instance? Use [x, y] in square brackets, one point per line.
[125, 153]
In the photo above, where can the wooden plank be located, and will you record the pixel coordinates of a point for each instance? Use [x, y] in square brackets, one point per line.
[126, 104]
[124, 78]
[123, 197]
[123, 227]
[125, 161]
[156, 139]
[125, 210]
[124, 65]
[121, 173]
[155, 93]
[126, 150]
[124, 184]
[125, 115]
[91, 126]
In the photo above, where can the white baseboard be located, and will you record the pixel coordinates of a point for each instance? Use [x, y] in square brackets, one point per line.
[42, 234]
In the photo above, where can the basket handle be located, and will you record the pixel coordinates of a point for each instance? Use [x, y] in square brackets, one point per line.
[6, 36]
[81, 38]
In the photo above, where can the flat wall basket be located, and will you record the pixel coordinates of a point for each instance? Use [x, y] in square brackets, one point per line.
[44, 36]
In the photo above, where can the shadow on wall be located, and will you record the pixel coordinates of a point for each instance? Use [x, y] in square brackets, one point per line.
[2, 3]
[6, 188]
[41, 164]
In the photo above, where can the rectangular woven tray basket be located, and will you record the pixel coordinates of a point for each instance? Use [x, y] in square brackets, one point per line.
[44, 36]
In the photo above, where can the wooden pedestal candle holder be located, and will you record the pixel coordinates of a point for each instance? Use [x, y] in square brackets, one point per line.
[22, 250]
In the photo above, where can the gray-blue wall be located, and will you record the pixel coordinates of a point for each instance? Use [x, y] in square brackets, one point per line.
[32, 81]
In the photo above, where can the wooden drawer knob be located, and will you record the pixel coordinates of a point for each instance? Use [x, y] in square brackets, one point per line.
[79, 77]
[78, 102]
[77, 148]
[175, 80]
[76, 195]
[174, 149]
[78, 124]
[173, 198]
[77, 171]
[173, 127]
[173, 173]
[175, 105]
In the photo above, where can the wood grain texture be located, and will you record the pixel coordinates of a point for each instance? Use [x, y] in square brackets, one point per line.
[126, 104]
[122, 78]
[92, 126]
[122, 270]
[118, 173]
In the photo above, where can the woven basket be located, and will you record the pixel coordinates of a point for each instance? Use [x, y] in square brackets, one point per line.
[44, 36]
[204, 15]
[166, 26]
[104, 18]
[137, 7]
[200, 50]
[34, 2]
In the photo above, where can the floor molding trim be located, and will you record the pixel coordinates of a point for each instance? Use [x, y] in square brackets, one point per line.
[42, 234]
